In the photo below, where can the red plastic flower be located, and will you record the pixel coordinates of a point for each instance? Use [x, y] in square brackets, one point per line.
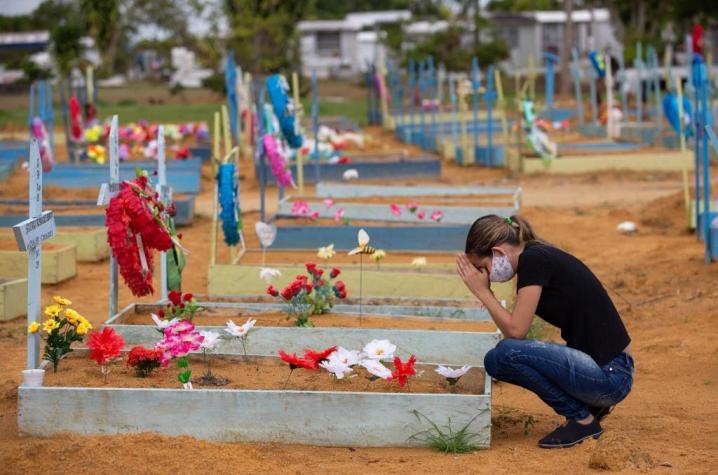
[318, 356]
[175, 297]
[272, 291]
[311, 267]
[295, 361]
[335, 272]
[402, 371]
[105, 345]
[187, 297]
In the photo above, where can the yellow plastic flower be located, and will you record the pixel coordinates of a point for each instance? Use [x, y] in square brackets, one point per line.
[84, 322]
[72, 316]
[50, 324]
[378, 255]
[53, 310]
[33, 327]
[419, 262]
[83, 328]
[326, 252]
[61, 300]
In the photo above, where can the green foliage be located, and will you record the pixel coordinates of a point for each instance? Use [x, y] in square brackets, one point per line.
[215, 83]
[446, 46]
[66, 45]
[33, 72]
[445, 439]
[524, 5]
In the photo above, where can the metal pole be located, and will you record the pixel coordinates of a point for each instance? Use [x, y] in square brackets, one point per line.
[475, 86]
[412, 88]
[34, 256]
[162, 183]
[315, 125]
[113, 146]
[576, 72]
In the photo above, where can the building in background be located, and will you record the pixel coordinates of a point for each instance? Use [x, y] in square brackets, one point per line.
[344, 48]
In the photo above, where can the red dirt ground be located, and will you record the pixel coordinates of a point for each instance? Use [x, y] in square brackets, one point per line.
[666, 293]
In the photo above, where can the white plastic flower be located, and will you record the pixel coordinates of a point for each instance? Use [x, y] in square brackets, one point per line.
[268, 274]
[375, 368]
[451, 373]
[347, 357]
[351, 174]
[378, 349]
[211, 339]
[240, 330]
[419, 262]
[326, 252]
[336, 367]
[162, 323]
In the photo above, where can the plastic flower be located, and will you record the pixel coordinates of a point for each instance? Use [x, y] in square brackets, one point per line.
[105, 345]
[379, 349]
[53, 310]
[175, 297]
[211, 339]
[402, 371]
[437, 215]
[339, 215]
[419, 262]
[351, 174]
[240, 330]
[33, 327]
[300, 208]
[347, 357]
[318, 356]
[73, 317]
[395, 209]
[83, 328]
[329, 203]
[295, 362]
[375, 368]
[50, 324]
[452, 375]
[421, 214]
[335, 272]
[412, 206]
[62, 301]
[272, 291]
[326, 252]
[162, 323]
[268, 274]
[336, 367]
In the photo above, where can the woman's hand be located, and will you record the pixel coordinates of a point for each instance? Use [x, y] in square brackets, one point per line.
[476, 280]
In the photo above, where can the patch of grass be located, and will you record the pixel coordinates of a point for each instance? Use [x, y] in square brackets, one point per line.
[445, 439]
[354, 109]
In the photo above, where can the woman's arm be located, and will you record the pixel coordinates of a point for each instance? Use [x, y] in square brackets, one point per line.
[512, 324]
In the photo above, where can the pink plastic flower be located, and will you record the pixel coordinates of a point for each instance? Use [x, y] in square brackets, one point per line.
[395, 209]
[437, 215]
[277, 163]
[339, 215]
[421, 214]
[300, 208]
[180, 338]
[412, 206]
[329, 203]
[314, 215]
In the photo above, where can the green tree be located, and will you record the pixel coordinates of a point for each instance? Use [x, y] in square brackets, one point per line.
[264, 33]
[66, 45]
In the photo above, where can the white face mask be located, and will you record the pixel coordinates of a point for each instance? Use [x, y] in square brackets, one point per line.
[501, 269]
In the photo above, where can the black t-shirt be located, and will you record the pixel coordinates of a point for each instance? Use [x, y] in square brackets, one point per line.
[574, 300]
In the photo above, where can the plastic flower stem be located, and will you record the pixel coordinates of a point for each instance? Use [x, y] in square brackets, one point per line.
[361, 279]
[291, 370]
[244, 345]
[264, 254]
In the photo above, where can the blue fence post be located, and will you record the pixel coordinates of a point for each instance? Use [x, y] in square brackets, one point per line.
[576, 73]
[315, 125]
[401, 123]
[475, 85]
[412, 105]
[454, 116]
[433, 98]
[705, 122]
[422, 89]
[698, 118]
[230, 84]
[550, 60]
[50, 114]
[490, 99]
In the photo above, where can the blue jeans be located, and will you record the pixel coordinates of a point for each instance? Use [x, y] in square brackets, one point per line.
[566, 379]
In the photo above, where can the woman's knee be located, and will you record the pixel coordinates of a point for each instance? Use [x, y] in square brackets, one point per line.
[500, 356]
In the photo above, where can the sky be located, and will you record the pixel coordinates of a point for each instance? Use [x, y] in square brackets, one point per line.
[18, 7]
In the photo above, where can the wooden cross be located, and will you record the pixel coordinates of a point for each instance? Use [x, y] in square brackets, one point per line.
[30, 234]
[107, 192]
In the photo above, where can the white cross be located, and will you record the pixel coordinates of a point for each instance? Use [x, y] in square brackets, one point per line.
[107, 192]
[29, 235]
[165, 197]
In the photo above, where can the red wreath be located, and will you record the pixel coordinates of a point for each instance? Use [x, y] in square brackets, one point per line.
[136, 211]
